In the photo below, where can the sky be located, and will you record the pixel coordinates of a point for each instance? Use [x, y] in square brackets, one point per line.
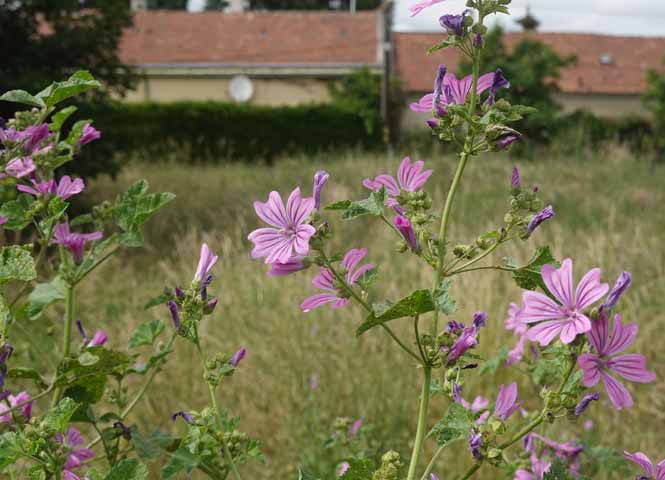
[617, 17]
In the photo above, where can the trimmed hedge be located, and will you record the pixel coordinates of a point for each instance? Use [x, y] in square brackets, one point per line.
[212, 131]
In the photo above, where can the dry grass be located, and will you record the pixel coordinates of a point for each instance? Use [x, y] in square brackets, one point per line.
[609, 213]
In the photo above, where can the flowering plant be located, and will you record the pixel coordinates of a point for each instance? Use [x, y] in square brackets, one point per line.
[570, 337]
[93, 385]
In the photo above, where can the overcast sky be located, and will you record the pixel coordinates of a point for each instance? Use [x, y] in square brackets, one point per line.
[619, 17]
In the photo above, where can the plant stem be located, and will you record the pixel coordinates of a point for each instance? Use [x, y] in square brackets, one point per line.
[422, 423]
[430, 465]
[213, 398]
[66, 336]
[151, 376]
[471, 471]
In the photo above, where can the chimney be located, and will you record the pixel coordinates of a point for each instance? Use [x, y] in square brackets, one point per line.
[139, 5]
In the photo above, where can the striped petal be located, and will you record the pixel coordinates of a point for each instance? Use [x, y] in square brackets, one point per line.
[590, 290]
[560, 282]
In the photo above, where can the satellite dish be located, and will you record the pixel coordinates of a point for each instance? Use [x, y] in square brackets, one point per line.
[241, 89]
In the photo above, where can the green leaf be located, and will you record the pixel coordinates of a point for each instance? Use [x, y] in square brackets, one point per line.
[152, 446]
[341, 205]
[146, 333]
[78, 83]
[87, 359]
[181, 460]
[456, 424]
[442, 299]
[16, 263]
[373, 205]
[160, 300]
[416, 303]
[303, 475]
[25, 373]
[368, 278]
[528, 277]
[57, 418]
[59, 118]
[21, 96]
[495, 362]
[18, 212]
[10, 451]
[72, 372]
[128, 469]
[44, 295]
[558, 471]
[359, 469]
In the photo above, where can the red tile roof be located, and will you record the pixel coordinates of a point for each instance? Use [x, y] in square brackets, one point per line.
[169, 37]
[630, 57]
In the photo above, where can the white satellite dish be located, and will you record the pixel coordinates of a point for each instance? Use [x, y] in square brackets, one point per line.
[241, 89]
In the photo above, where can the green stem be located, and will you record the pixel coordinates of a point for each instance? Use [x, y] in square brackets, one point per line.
[490, 267]
[431, 463]
[471, 471]
[422, 423]
[213, 398]
[151, 376]
[67, 335]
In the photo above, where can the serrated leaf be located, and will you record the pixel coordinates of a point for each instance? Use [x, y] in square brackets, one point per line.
[58, 417]
[456, 424]
[44, 295]
[78, 83]
[341, 205]
[16, 263]
[128, 469]
[180, 460]
[151, 446]
[10, 451]
[59, 118]
[359, 469]
[302, 475]
[373, 205]
[443, 301]
[25, 373]
[528, 277]
[159, 300]
[416, 303]
[146, 333]
[18, 213]
[21, 96]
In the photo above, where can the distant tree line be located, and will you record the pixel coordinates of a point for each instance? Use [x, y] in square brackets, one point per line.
[270, 4]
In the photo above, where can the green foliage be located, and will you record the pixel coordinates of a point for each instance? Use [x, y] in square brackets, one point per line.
[493, 364]
[16, 263]
[456, 424]
[359, 469]
[167, 4]
[654, 101]
[44, 295]
[146, 333]
[129, 469]
[309, 4]
[416, 303]
[373, 205]
[528, 277]
[57, 418]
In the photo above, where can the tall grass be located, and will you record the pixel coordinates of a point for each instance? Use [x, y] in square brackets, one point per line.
[609, 213]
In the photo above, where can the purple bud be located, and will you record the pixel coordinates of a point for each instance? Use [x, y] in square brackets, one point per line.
[479, 320]
[79, 326]
[343, 469]
[468, 339]
[320, 179]
[355, 427]
[622, 284]
[89, 134]
[293, 265]
[507, 139]
[100, 338]
[584, 403]
[498, 83]
[4, 394]
[457, 393]
[540, 217]
[475, 442]
[173, 307]
[179, 292]
[204, 287]
[438, 84]
[404, 226]
[238, 356]
[35, 135]
[478, 40]
[432, 123]
[185, 416]
[5, 352]
[211, 305]
[433, 477]
[454, 327]
[515, 181]
[454, 24]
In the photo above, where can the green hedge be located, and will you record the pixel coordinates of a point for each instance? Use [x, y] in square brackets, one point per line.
[211, 131]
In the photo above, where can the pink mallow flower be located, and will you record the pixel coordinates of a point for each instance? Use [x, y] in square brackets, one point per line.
[507, 402]
[3, 220]
[598, 365]
[207, 260]
[20, 167]
[64, 189]
[73, 241]
[75, 456]
[15, 401]
[453, 92]
[289, 235]
[89, 134]
[99, 338]
[566, 318]
[418, 7]
[651, 472]
[410, 177]
[519, 328]
[479, 403]
[326, 280]
[295, 264]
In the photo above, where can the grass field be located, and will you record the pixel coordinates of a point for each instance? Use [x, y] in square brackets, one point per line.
[609, 213]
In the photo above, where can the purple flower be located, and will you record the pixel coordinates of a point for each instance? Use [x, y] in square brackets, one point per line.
[20, 167]
[99, 338]
[207, 260]
[585, 402]
[478, 40]
[566, 318]
[320, 179]
[507, 401]
[75, 242]
[455, 92]
[65, 189]
[175, 314]
[34, 135]
[454, 24]
[540, 217]
[598, 365]
[179, 292]
[507, 139]
[293, 265]
[438, 89]
[433, 477]
[3, 220]
[479, 320]
[515, 323]
[651, 472]
[418, 7]
[187, 417]
[237, 357]
[515, 180]
[454, 327]
[479, 403]
[355, 427]
[410, 177]
[343, 469]
[89, 134]
[517, 353]
[75, 456]
[475, 442]
[468, 339]
[326, 280]
[619, 288]
[290, 235]
[15, 401]
[404, 226]
[499, 81]
[212, 304]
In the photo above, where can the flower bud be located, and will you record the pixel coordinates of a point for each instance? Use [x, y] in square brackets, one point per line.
[404, 226]
[175, 314]
[320, 179]
[237, 357]
[540, 217]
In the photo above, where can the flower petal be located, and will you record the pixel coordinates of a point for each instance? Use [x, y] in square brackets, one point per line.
[353, 277]
[298, 208]
[538, 306]
[598, 336]
[641, 460]
[301, 239]
[272, 212]
[623, 336]
[545, 332]
[632, 367]
[315, 301]
[353, 257]
[619, 395]
[590, 290]
[590, 365]
[560, 282]
[324, 280]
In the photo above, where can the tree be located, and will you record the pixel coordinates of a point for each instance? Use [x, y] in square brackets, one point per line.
[167, 4]
[310, 4]
[532, 68]
[654, 101]
[47, 39]
[216, 4]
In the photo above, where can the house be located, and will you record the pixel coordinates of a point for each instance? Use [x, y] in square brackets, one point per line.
[607, 79]
[287, 58]
[268, 58]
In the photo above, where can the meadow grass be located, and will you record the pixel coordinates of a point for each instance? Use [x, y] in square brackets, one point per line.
[609, 213]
